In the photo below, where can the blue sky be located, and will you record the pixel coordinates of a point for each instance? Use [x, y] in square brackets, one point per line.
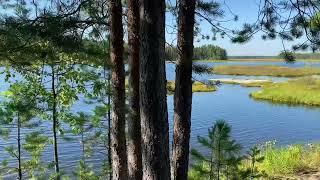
[247, 11]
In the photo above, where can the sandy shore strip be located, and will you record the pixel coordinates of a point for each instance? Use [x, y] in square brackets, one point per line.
[240, 81]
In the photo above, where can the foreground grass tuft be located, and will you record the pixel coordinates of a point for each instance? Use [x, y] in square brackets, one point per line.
[304, 91]
[277, 71]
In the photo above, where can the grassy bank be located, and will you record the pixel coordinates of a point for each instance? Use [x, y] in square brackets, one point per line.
[277, 71]
[196, 87]
[299, 91]
[290, 161]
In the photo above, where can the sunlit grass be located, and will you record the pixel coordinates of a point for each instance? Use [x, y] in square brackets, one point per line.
[196, 87]
[299, 91]
[290, 160]
[277, 71]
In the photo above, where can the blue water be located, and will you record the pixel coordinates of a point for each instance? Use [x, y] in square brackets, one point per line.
[252, 122]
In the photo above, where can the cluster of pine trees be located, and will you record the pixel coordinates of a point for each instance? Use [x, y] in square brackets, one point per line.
[205, 52]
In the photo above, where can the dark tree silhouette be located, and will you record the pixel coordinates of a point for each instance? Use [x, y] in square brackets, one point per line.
[118, 138]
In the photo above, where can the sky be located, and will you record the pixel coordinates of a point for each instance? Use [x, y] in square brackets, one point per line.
[247, 11]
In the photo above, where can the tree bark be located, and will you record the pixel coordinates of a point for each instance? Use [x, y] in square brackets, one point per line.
[153, 102]
[109, 123]
[134, 126]
[183, 90]
[118, 137]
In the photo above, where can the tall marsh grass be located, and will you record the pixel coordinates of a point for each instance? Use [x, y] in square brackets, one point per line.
[290, 160]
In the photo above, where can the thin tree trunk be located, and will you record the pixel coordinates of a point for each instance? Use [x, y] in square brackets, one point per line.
[134, 126]
[19, 148]
[183, 90]
[153, 102]
[55, 123]
[83, 148]
[109, 123]
[118, 137]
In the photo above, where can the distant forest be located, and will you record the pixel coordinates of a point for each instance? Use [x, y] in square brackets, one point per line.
[205, 52]
[307, 55]
[296, 55]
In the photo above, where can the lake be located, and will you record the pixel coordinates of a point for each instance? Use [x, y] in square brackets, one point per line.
[252, 121]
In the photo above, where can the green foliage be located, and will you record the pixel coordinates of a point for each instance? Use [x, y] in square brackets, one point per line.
[254, 157]
[223, 159]
[35, 144]
[85, 172]
[19, 109]
[210, 52]
[287, 56]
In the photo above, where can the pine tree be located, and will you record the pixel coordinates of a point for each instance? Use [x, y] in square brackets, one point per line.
[254, 155]
[153, 102]
[118, 137]
[19, 110]
[183, 90]
[134, 126]
[222, 149]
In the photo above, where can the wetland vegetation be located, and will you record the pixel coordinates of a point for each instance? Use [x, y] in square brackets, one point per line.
[266, 70]
[304, 91]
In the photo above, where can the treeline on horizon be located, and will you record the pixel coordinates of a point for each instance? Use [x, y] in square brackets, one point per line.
[280, 56]
[205, 52]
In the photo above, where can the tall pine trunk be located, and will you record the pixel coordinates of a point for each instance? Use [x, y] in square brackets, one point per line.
[118, 136]
[183, 90]
[134, 126]
[153, 102]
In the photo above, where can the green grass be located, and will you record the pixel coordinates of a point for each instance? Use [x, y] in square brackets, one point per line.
[304, 91]
[196, 87]
[279, 162]
[277, 71]
[290, 160]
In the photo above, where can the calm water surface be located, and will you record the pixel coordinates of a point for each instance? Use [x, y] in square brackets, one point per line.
[252, 121]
